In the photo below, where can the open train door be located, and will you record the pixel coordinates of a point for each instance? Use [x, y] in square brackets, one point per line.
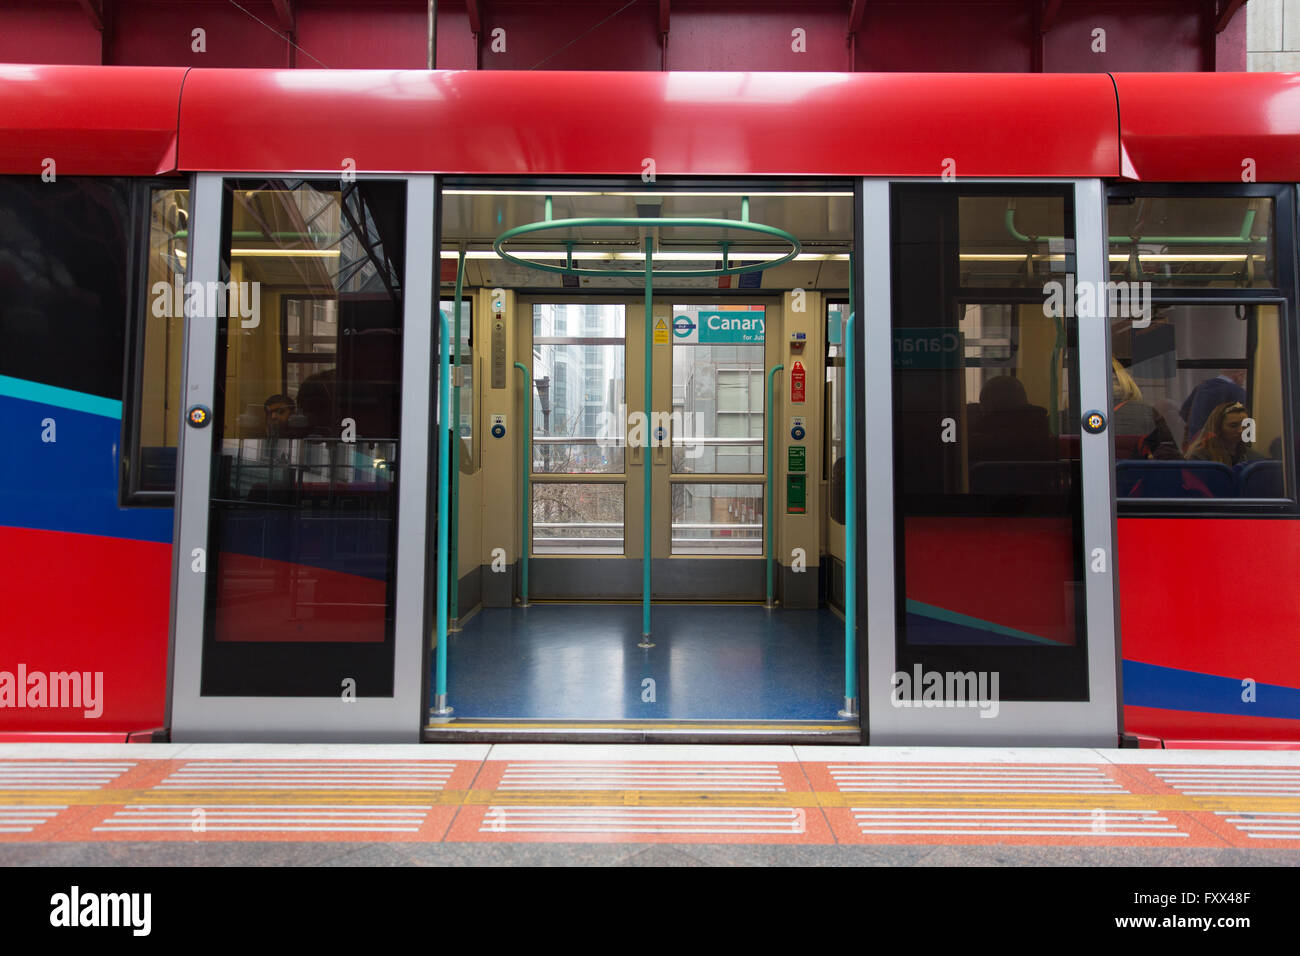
[989, 506]
[299, 598]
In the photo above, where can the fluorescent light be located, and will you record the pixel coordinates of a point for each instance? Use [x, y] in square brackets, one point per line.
[543, 193]
[289, 253]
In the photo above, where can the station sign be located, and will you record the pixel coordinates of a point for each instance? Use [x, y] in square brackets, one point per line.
[928, 348]
[726, 327]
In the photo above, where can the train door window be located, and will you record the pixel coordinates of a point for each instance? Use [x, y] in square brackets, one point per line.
[579, 404]
[465, 379]
[990, 556]
[303, 509]
[1198, 379]
[717, 428]
[149, 462]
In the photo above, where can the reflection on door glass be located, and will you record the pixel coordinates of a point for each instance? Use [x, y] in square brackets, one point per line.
[304, 477]
[572, 518]
[717, 519]
[160, 374]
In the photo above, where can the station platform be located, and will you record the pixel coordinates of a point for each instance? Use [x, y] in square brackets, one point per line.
[210, 804]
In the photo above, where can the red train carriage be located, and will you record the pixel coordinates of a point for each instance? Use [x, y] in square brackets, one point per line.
[1040, 452]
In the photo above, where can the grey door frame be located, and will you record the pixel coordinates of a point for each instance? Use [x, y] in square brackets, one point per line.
[399, 718]
[1095, 722]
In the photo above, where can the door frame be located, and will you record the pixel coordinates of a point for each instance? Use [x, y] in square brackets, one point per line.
[193, 716]
[1094, 722]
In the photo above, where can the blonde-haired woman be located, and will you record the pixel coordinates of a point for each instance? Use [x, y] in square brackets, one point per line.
[1220, 439]
[1140, 431]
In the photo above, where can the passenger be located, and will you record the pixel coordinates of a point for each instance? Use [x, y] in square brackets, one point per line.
[1220, 439]
[1005, 427]
[1140, 431]
[1227, 386]
[279, 408]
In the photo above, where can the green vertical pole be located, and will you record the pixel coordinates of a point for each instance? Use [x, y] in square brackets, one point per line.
[440, 708]
[850, 710]
[771, 481]
[527, 457]
[453, 613]
[645, 460]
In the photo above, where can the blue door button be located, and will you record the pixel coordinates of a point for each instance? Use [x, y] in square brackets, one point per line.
[498, 431]
[797, 433]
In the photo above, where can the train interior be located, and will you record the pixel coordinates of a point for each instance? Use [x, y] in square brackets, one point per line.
[740, 448]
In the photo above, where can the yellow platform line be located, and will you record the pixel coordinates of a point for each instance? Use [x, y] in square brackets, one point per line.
[692, 798]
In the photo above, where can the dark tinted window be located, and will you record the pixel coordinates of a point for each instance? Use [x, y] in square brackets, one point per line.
[63, 282]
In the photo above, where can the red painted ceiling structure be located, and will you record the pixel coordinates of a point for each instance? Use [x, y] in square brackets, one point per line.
[965, 36]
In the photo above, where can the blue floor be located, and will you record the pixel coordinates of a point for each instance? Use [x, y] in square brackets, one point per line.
[710, 662]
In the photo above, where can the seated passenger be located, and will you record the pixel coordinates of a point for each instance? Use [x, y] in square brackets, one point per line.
[1228, 386]
[1220, 439]
[1140, 431]
[1005, 427]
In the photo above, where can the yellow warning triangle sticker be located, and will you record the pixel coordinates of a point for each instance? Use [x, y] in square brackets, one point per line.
[661, 326]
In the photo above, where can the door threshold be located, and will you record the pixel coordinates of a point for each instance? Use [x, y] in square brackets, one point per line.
[478, 730]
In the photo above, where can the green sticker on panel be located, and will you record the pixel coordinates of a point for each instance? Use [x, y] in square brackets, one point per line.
[796, 459]
[796, 494]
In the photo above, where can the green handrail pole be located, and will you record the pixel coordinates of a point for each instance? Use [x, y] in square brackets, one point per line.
[647, 393]
[528, 493]
[440, 708]
[453, 613]
[850, 710]
[771, 483]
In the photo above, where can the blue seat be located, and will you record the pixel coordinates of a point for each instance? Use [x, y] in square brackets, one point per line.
[1262, 479]
[1174, 479]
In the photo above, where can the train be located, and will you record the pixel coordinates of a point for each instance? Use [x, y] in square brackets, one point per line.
[368, 405]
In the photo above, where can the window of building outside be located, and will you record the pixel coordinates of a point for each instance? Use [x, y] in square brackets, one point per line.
[579, 406]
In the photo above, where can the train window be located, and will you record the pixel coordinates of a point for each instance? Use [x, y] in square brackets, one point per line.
[988, 501]
[149, 465]
[1193, 241]
[466, 387]
[1011, 241]
[1198, 403]
[717, 518]
[578, 388]
[577, 518]
[836, 314]
[718, 390]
